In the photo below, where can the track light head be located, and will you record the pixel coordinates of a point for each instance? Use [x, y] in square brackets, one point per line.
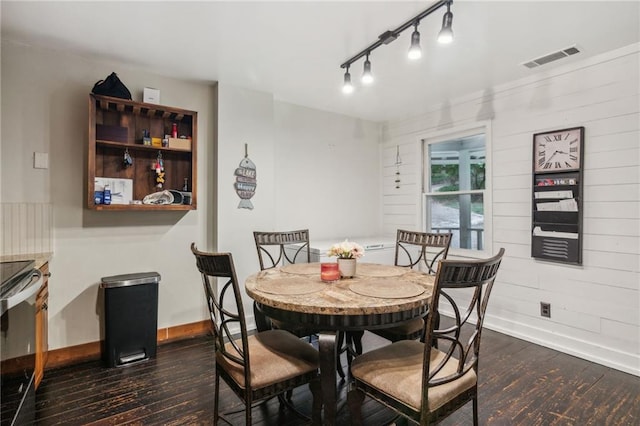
[415, 51]
[446, 33]
[367, 77]
[347, 87]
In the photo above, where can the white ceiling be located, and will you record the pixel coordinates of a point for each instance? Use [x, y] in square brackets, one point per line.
[294, 49]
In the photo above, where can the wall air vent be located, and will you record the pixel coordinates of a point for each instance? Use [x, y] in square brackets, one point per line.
[554, 56]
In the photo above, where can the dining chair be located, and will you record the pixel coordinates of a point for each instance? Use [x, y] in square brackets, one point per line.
[417, 380]
[276, 249]
[259, 366]
[280, 248]
[422, 250]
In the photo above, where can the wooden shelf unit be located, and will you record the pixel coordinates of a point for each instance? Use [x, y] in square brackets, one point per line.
[106, 157]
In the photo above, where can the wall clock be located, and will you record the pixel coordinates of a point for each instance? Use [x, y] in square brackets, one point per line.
[558, 150]
[556, 199]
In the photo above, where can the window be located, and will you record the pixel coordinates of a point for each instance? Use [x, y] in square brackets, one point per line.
[455, 182]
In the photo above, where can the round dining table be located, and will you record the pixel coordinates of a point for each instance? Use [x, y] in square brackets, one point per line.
[378, 296]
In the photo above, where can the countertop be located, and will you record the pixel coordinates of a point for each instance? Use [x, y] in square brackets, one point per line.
[40, 258]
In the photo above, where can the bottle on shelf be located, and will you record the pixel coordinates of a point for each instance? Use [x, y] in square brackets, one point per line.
[107, 195]
[174, 130]
[146, 137]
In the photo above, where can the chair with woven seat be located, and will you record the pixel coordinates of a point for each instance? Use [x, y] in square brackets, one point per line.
[417, 380]
[416, 250]
[256, 367]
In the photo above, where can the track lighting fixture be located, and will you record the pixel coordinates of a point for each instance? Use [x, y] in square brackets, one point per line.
[446, 33]
[415, 51]
[367, 77]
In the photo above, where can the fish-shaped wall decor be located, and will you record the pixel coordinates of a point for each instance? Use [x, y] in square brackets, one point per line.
[245, 181]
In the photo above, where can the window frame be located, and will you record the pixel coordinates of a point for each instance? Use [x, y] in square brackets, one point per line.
[430, 138]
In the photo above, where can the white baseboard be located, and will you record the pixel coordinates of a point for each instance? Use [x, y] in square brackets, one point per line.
[623, 361]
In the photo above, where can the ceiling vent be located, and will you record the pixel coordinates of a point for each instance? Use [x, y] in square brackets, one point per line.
[554, 56]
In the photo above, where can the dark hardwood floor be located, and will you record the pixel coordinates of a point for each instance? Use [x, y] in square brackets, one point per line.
[520, 384]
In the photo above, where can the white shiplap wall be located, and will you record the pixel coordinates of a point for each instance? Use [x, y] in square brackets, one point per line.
[26, 228]
[596, 306]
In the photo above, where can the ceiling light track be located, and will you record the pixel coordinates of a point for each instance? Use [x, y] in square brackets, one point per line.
[445, 36]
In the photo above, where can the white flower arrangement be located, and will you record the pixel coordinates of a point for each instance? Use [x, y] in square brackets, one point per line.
[346, 250]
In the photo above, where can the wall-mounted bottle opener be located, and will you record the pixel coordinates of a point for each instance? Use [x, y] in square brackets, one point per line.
[128, 161]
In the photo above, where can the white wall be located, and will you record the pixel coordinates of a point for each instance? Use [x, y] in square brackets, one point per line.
[45, 109]
[328, 176]
[315, 170]
[595, 307]
[244, 116]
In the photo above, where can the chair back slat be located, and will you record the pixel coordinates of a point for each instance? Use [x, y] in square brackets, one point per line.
[461, 289]
[424, 248]
[272, 248]
[225, 307]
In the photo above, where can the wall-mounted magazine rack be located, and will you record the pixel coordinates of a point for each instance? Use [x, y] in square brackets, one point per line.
[556, 233]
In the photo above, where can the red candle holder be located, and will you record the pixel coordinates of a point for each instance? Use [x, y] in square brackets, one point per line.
[329, 272]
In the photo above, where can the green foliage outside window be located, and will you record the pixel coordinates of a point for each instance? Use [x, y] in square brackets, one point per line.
[447, 175]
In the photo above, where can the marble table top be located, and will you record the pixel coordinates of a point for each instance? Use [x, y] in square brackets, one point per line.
[375, 289]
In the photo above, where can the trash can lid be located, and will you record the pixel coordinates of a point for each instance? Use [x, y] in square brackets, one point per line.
[130, 279]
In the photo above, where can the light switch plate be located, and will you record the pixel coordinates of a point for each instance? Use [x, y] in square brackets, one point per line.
[40, 160]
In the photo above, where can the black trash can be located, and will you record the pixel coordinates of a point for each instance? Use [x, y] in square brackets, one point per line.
[130, 318]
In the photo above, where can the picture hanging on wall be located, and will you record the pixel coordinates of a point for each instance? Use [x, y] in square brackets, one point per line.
[245, 181]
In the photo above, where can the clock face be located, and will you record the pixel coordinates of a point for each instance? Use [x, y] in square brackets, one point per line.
[557, 150]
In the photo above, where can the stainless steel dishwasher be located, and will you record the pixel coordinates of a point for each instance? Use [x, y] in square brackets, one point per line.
[19, 285]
